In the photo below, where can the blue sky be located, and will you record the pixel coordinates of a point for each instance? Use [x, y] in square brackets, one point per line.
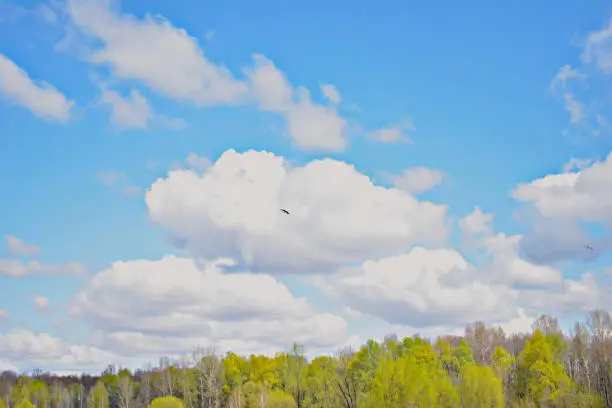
[473, 78]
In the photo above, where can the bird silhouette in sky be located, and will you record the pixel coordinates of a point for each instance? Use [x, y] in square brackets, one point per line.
[285, 211]
[590, 248]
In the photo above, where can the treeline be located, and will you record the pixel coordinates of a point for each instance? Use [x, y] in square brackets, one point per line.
[483, 368]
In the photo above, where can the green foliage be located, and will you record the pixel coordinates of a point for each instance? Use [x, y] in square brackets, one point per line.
[464, 354]
[280, 399]
[480, 387]
[502, 360]
[166, 402]
[98, 396]
[25, 403]
[411, 372]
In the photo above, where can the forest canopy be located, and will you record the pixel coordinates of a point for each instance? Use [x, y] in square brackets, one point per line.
[484, 368]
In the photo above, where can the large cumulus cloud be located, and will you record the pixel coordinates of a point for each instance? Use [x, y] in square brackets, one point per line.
[439, 287]
[338, 215]
[175, 304]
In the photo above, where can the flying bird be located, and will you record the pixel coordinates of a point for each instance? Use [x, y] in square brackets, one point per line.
[285, 211]
[590, 248]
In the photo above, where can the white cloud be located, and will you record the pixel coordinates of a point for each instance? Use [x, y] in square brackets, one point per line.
[41, 98]
[16, 269]
[409, 289]
[169, 61]
[598, 49]
[310, 125]
[587, 105]
[152, 165]
[557, 205]
[348, 311]
[134, 111]
[578, 196]
[506, 264]
[175, 304]
[476, 222]
[42, 303]
[192, 162]
[564, 75]
[576, 109]
[577, 164]
[337, 214]
[331, 93]
[603, 123]
[196, 162]
[417, 180]
[25, 350]
[170, 122]
[425, 288]
[540, 288]
[394, 133]
[3, 314]
[5, 365]
[18, 247]
[47, 13]
[375, 328]
[521, 323]
[156, 53]
[118, 180]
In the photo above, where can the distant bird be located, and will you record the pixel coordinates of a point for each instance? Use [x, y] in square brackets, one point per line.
[285, 211]
[590, 248]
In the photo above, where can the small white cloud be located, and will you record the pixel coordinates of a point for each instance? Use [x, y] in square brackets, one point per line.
[603, 124]
[476, 223]
[598, 49]
[575, 108]
[111, 178]
[18, 247]
[348, 311]
[47, 13]
[3, 314]
[131, 191]
[42, 303]
[196, 162]
[331, 93]
[394, 133]
[577, 164]
[118, 180]
[41, 98]
[151, 50]
[310, 125]
[171, 123]
[417, 180]
[210, 34]
[565, 74]
[134, 111]
[25, 350]
[15, 268]
[152, 165]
